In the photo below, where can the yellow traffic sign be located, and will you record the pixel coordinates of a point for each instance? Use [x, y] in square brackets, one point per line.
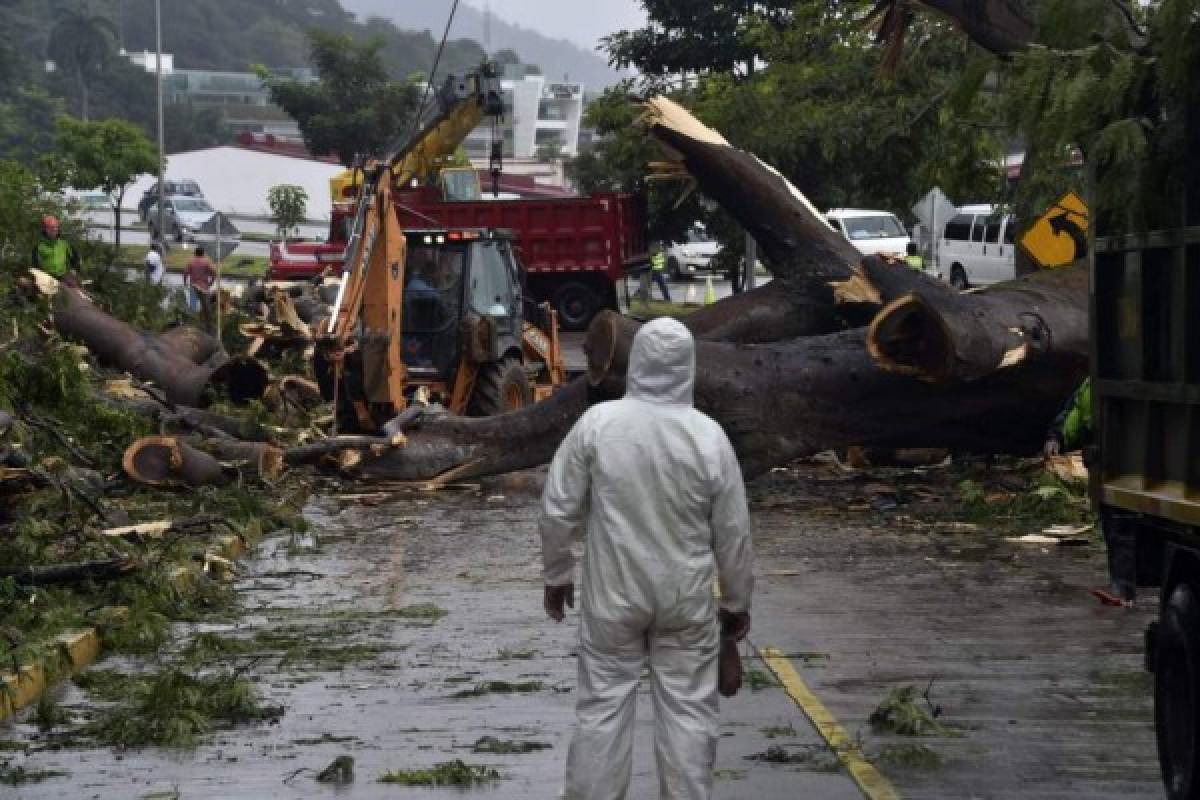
[1059, 237]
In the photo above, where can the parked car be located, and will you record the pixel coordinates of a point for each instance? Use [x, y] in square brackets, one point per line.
[185, 188]
[91, 201]
[182, 216]
[977, 247]
[870, 231]
[693, 255]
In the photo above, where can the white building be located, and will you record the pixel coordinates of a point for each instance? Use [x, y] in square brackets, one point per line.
[235, 180]
[538, 114]
[149, 61]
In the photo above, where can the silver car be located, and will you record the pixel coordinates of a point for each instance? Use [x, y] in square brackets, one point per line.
[182, 217]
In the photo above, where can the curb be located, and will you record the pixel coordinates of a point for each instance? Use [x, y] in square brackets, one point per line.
[75, 651]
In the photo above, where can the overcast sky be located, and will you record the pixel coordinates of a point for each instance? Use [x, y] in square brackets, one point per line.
[581, 21]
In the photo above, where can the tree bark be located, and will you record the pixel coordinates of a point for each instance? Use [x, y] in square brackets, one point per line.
[148, 358]
[785, 400]
[936, 334]
[266, 459]
[1002, 27]
[167, 460]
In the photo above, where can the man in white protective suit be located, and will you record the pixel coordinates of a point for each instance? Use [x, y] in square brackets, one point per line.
[659, 490]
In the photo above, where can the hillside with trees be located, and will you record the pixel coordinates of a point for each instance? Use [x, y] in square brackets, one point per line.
[92, 81]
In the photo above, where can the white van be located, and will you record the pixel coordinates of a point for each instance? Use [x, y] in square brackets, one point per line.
[870, 232]
[977, 247]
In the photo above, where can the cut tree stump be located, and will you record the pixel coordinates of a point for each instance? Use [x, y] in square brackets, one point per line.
[169, 461]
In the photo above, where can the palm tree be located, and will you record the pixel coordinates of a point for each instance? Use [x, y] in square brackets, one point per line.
[80, 44]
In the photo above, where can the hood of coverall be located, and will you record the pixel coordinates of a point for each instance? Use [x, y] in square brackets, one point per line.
[662, 363]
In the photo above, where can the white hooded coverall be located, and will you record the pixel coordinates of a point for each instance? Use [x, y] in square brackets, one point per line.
[659, 488]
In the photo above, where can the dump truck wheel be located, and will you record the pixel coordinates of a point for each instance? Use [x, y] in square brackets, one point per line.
[500, 387]
[576, 304]
[1177, 694]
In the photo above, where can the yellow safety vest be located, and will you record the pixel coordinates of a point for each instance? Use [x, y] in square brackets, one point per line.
[658, 262]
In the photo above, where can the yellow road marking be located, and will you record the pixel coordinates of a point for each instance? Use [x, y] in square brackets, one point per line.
[873, 784]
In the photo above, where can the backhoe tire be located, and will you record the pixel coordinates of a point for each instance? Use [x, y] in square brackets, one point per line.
[1177, 693]
[501, 386]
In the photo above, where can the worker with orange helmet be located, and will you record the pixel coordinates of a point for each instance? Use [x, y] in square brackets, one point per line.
[54, 255]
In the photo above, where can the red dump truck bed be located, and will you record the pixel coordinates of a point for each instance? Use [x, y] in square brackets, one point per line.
[575, 250]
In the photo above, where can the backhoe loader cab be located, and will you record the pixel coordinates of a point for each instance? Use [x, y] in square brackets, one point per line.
[465, 335]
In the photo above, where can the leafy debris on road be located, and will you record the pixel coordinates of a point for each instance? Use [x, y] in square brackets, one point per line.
[339, 771]
[19, 776]
[778, 731]
[908, 755]
[903, 714]
[816, 757]
[171, 708]
[448, 773]
[500, 687]
[490, 744]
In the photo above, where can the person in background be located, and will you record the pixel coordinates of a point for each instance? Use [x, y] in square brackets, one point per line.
[153, 264]
[658, 270]
[1072, 429]
[54, 255]
[199, 278]
[913, 258]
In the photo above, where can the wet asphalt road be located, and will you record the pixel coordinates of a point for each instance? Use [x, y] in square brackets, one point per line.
[1043, 688]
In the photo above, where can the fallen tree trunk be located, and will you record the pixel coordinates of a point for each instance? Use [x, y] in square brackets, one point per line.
[781, 401]
[197, 346]
[937, 334]
[148, 358]
[167, 461]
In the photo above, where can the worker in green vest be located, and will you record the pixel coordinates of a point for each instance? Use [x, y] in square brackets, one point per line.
[658, 268]
[913, 258]
[53, 254]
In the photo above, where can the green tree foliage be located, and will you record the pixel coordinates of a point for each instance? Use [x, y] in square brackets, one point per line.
[354, 108]
[81, 43]
[814, 105]
[24, 199]
[1117, 87]
[698, 37]
[106, 155]
[288, 204]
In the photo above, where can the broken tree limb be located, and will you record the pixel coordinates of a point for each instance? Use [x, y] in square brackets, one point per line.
[266, 459]
[146, 357]
[167, 461]
[106, 569]
[209, 423]
[804, 251]
[314, 451]
[937, 334]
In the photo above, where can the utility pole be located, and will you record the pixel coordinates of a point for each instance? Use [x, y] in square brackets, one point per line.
[162, 156]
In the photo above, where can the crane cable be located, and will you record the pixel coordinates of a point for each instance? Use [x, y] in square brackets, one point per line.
[339, 363]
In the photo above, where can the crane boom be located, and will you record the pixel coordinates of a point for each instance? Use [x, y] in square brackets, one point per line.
[369, 302]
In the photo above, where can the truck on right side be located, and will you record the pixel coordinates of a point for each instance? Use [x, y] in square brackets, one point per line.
[1145, 339]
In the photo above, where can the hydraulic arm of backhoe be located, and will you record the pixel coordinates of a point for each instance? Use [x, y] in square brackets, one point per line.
[367, 313]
